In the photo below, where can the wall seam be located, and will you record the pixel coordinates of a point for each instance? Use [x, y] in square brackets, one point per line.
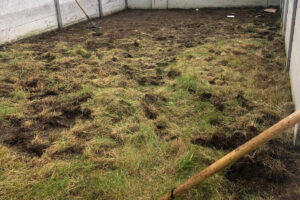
[286, 9]
[100, 8]
[58, 14]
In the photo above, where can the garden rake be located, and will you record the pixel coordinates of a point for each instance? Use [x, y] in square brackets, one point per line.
[92, 23]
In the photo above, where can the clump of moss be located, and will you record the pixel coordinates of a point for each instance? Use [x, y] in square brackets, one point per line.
[79, 50]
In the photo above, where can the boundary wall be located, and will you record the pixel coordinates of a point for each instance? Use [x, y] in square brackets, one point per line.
[23, 18]
[291, 33]
[189, 4]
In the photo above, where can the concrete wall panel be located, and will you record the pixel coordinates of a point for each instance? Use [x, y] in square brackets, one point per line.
[159, 4]
[220, 3]
[284, 11]
[188, 4]
[273, 2]
[71, 13]
[139, 4]
[295, 62]
[112, 6]
[22, 18]
[288, 24]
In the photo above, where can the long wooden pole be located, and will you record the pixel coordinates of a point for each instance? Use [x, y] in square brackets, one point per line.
[235, 155]
[82, 10]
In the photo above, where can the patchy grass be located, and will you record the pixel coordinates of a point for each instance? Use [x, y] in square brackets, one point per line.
[6, 109]
[104, 116]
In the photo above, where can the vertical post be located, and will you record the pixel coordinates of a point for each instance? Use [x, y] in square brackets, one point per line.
[58, 14]
[285, 12]
[281, 8]
[126, 4]
[296, 131]
[289, 54]
[100, 8]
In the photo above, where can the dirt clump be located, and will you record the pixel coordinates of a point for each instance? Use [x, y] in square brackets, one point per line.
[149, 112]
[173, 74]
[151, 80]
[44, 116]
[221, 141]
[150, 99]
[271, 164]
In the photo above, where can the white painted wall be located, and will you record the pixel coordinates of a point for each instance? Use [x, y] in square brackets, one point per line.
[295, 62]
[284, 11]
[21, 18]
[71, 13]
[187, 4]
[112, 6]
[288, 24]
[273, 3]
[139, 4]
[220, 3]
[159, 4]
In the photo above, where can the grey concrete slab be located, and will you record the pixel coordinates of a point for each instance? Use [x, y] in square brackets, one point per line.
[159, 4]
[71, 13]
[19, 20]
[112, 6]
[139, 4]
[295, 62]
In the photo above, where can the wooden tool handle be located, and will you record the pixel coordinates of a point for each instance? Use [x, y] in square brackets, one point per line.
[235, 155]
[82, 9]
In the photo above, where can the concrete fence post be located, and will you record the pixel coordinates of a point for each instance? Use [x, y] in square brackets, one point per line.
[100, 8]
[289, 53]
[296, 132]
[58, 14]
[285, 12]
[282, 8]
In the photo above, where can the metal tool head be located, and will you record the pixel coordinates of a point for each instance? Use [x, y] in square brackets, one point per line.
[93, 24]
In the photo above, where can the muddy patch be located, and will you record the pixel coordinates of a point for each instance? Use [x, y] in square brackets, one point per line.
[45, 116]
[222, 142]
[271, 164]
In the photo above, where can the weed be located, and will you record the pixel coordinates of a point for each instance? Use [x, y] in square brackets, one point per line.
[6, 109]
[19, 95]
[79, 50]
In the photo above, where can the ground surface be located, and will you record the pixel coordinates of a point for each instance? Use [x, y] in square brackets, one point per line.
[135, 108]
